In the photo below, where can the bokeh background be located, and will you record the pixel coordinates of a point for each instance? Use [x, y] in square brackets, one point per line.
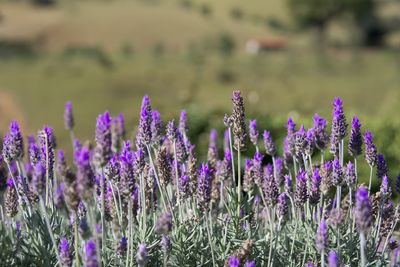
[288, 57]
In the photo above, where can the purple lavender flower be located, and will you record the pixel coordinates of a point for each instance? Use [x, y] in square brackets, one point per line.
[117, 132]
[224, 169]
[233, 261]
[279, 171]
[301, 142]
[253, 132]
[65, 253]
[90, 255]
[13, 144]
[290, 140]
[321, 136]
[85, 176]
[11, 199]
[337, 173]
[248, 177]
[385, 189]
[68, 117]
[165, 244]
[288, 184]
[300, 195]
[226, 140]
[164, 223]
[355, 141]
[287, 155]
[351, 177]
[204, 187]
[250, 264]
[363, 210]
[183, 127]
[59, 196]
[33, 150]
[238, 121]
[310, 264]
[269, 186]
[381, 166]
[141, 255]
[143, 136]
[122, 246]
[156, 127]
[39, 178]
[171, 131]
[321, 240]
[184, 185]
[257, 170]
[127, 170]
[48, 144]
[339, 125]
[315, 192]
[282, 205]
[370, 149]
[333, 259]
[103, 151]
[310, 142]
[269, 145]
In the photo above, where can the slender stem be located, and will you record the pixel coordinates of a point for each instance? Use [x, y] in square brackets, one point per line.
[232, 161]
[209, 237]
[102, 214]
[370, 179]
[239, 187]
[76, 240]
[177, 183]
[362, 249]
[323, 258]
[47, 169]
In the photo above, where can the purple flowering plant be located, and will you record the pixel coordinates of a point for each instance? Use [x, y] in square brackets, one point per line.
[152, 202]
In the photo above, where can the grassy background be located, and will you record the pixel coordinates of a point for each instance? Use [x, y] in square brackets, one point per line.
[105, 55]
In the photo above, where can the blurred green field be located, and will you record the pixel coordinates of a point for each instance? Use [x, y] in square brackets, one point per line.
[105, 55]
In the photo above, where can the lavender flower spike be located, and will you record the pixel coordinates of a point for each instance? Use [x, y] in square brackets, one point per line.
[65, 253]
[156, 127]
[68, 117]
[233, 262]
[269, 145]
[13, 144]
[300, 195]
[183, 127]
[333, 259]
[339, 125]
[90, 255]
[321, 136]
[253, 132]
[363, 210]
[238, 121]
[141, 256]
[103, 151]
[370, 149]
[204, 187]
[144, 131]
[355, 141]
[321, 240]
[351, 178]
[381, 166]
[250, 264]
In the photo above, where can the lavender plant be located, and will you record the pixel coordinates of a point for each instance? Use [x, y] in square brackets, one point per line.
[157, 204]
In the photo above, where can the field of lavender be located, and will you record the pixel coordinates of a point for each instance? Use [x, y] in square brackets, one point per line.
[150, 202]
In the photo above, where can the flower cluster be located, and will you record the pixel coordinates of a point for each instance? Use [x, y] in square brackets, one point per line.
[155, 203]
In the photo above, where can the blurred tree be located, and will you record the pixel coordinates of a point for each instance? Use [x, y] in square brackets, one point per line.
[315, 14]
[226, 44]
[319, 13]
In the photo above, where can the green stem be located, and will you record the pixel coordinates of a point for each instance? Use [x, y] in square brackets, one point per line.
[239, 187]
